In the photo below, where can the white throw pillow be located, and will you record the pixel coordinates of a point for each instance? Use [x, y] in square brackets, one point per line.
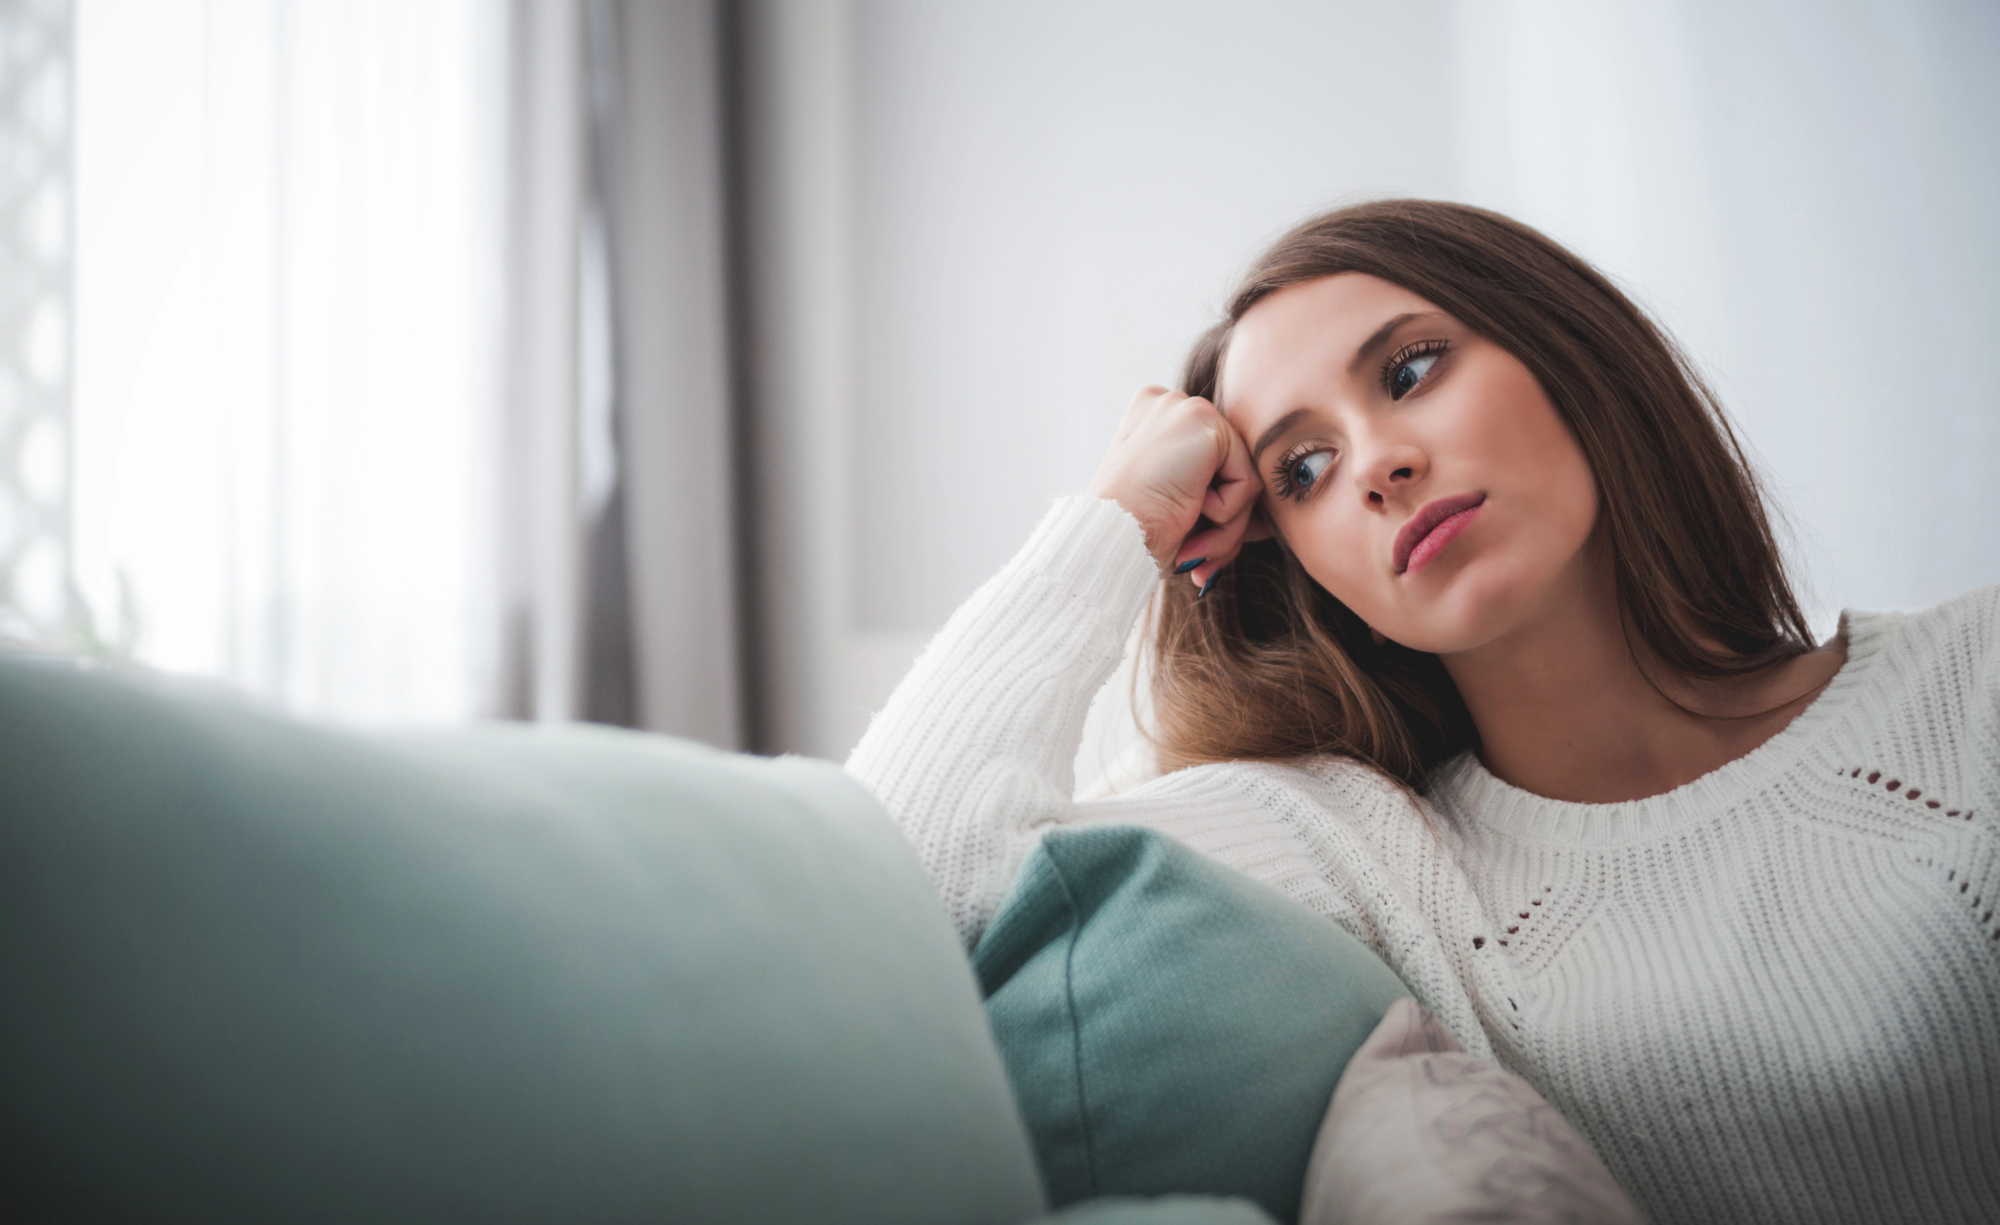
[1419, 1131]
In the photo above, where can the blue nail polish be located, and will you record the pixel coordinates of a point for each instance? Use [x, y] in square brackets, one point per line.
[1189, 564]
[1208, 584]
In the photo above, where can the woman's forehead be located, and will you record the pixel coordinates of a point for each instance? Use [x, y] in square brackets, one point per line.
[1303, 336]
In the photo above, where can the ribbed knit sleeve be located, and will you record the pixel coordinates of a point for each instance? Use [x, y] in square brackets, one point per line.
[976, 748]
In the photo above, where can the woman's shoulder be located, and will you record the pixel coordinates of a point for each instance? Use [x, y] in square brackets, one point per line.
[1977, 613]
[1962, 631]
[1925, 678]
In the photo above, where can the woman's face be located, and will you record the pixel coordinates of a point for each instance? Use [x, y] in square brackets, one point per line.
[1417, 470]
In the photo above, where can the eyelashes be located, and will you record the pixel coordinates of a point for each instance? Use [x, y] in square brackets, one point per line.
[1301, 468]
[1409, 366]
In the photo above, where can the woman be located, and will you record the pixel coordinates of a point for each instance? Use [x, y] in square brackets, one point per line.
[1481, 646]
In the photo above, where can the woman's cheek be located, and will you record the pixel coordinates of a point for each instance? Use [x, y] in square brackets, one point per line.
[1327, 549]
[1351, 584]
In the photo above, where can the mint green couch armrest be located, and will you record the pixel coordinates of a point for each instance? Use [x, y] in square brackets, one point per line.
[256, 971]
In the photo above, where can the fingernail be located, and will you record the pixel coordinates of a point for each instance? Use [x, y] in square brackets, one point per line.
[1208, 584]
[1189, 564]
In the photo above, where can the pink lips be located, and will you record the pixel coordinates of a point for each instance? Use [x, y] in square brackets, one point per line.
[1434, 526]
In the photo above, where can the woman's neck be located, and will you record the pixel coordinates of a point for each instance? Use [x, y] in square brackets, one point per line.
[1565, 710]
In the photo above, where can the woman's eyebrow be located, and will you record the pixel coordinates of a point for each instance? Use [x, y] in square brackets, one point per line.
[1277, 430]
[1379, 338]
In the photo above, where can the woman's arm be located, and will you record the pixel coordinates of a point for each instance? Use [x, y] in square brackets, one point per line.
[975, 749]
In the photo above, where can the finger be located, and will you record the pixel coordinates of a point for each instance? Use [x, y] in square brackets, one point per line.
[1193, 551]
[1235, 487]
[1200, 540]
[1153, 399]
[1228, 508]
[1216, 544]
[1217, 547]
[1139, 408]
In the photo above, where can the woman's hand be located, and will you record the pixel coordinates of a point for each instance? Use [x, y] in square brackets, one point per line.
[1183, 472]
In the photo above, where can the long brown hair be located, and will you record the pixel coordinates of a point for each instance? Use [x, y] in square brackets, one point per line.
[1270, 666]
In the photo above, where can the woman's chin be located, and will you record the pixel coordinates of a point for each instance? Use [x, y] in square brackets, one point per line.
[1473, 608]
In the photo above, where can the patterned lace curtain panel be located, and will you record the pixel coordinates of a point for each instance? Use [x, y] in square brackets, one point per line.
[37, 600]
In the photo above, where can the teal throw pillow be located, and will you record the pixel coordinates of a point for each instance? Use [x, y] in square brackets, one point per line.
[1170, 1025]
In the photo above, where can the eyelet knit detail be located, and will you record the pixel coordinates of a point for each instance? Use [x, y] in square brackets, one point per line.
[1895, 787]
[1527, 912]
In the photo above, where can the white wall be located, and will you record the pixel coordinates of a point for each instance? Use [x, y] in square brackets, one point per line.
[1022, 211]
[1053, 200]
[1803, 193]
[1036, 206]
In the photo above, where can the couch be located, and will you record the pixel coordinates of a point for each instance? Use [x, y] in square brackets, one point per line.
[259, 970]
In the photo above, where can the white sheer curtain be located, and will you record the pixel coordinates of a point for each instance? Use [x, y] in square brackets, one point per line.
[288, 293]
[402, 386]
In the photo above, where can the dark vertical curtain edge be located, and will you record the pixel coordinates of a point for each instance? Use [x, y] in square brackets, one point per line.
[732, 52]
[609, 683]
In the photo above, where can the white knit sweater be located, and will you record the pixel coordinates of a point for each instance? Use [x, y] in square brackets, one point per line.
[1772, 994]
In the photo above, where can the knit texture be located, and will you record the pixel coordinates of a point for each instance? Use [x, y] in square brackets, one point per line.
[1772, 994]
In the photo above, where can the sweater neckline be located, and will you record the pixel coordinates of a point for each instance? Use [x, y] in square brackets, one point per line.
[1480, 800]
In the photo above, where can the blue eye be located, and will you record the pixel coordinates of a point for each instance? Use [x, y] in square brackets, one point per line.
[1406, 370]
[1405, 377]
[1307, 470]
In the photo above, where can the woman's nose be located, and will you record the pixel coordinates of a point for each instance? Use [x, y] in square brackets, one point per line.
[1391, 470]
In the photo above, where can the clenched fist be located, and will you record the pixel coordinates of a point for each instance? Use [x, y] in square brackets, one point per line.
[1177, 465]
